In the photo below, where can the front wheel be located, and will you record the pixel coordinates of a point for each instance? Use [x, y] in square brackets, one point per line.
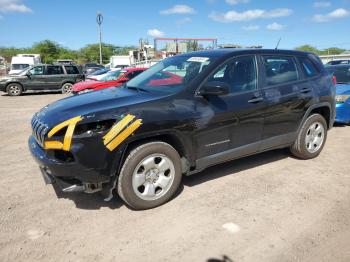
[67, 88]
[150, 175]
[311, 138]
[14, 89]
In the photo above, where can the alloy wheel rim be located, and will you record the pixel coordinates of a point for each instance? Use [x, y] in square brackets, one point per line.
[15, 90]
[67, 88]
[153, 176]
[314, 137]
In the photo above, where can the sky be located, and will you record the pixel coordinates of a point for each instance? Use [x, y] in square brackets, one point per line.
[72, 23]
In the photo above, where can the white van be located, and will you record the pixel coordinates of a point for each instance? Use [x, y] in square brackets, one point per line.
[23, 61]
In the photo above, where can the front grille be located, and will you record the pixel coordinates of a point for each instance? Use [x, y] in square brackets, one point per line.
[39, 130]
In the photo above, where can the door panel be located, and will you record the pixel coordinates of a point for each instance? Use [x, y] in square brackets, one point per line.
[282, 92]
[234, 120]
[36, 80]
[54, 77]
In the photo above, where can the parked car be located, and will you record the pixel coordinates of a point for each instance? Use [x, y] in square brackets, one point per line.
[89, 68]
[342, 76]
[42, 77]
[338, 62]
[141, 138]
[98, 74]
[111, 79]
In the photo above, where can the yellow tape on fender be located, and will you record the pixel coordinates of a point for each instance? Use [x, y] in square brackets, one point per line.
[70, 124]
[124, 135]
[121, 131]
[115, 130]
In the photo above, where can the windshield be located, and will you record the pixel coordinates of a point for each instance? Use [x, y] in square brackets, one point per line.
[114, 75]
[19, 66]
[171, 74]
[99, 72]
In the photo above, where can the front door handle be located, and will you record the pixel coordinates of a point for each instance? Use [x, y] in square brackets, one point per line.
[256, 100]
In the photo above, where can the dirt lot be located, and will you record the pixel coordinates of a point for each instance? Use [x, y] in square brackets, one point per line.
[269, 207]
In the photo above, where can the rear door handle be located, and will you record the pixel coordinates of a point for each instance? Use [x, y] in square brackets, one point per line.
[305, 90]
[256, 100]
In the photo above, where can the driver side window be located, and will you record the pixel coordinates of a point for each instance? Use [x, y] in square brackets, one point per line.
[38, 70]
[239, 74]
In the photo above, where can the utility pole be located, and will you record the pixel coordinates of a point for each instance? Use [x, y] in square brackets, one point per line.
[99, 20]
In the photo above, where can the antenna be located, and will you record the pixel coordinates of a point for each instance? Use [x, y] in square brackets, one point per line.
[278, 43]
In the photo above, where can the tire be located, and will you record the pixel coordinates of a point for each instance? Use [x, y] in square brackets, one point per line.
[311, 138]
[14, 89]
[150, 175]
[67, 88]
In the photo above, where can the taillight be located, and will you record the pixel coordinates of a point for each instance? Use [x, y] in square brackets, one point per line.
[334, 79]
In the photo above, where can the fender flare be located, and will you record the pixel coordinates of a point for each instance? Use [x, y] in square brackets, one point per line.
[311, 108]
[15, 82]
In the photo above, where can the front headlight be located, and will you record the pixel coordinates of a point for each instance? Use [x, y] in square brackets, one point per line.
[94, 128]
[341, 98]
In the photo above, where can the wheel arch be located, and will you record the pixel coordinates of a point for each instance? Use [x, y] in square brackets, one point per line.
[171, 138]
[324, 109]
[15, 82]
[67, 82]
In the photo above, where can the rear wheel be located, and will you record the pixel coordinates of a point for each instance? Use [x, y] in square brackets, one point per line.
[150, 175]
[67, 88]
[311, 138]
[14, 89]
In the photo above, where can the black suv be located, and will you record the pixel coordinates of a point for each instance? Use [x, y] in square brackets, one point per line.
[182, 115]
[42, 77]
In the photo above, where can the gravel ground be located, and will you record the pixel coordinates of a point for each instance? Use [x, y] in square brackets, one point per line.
[269, 207]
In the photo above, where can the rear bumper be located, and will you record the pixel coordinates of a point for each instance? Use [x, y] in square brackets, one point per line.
[343, 113]
[64, 174]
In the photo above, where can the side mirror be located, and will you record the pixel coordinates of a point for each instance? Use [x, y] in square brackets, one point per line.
[214, 88]
[28, 74]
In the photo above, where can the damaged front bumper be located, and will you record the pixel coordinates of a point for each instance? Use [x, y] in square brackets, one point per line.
[71, 176]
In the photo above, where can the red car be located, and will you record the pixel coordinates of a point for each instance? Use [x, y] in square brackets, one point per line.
[113, 78]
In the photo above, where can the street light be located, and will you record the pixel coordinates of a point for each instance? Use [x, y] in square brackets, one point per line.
[99, 20]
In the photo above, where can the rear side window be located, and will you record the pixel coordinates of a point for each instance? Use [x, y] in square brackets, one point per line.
[308, 67]
[71, 70]
[280, 70]
[54, 70]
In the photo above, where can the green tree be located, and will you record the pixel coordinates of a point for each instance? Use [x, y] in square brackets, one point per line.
[91, 53]
[308, 48]
[49, 50]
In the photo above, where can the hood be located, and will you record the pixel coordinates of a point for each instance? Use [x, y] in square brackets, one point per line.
[90, 83]
[342, 89]
[107, 103]
[9, 77]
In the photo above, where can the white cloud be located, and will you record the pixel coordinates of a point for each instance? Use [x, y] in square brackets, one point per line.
[15, 6]
[178, 9]
[233, 16]
[275, 27]
[251, 27]
[155, 33]
[336, 14]
[183, 21]
[321, 4]
[236, 2]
